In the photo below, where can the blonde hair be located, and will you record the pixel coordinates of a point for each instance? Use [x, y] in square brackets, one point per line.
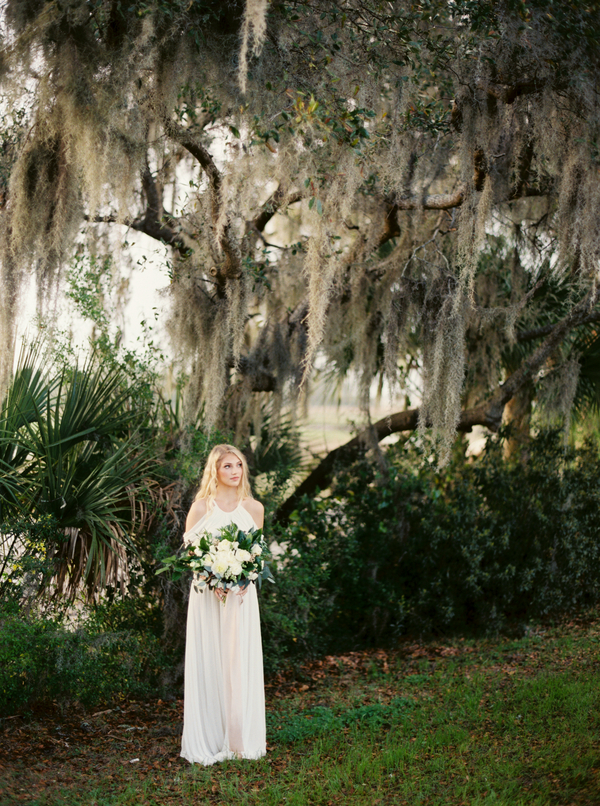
[208, 484]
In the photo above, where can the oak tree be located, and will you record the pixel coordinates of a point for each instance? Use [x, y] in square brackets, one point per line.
[395, 186]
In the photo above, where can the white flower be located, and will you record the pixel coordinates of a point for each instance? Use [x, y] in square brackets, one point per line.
[223, 545]
[235, 568]
[243, 556]
[220, 565]
[256, 549]
[253, 575]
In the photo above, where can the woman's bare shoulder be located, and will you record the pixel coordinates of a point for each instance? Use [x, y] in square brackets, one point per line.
[197, 511]
[256, 509]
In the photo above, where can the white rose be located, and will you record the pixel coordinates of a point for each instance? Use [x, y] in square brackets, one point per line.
[253, 575]
[235, 568]
[243, 556]
[223, 545]
[256, 549]
[220, 565]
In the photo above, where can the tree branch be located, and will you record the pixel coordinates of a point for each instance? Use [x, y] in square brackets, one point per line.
[447, 201]
[489, 413]
[258, 366]
[154, 209]
[539, 332]
[437, 201]
[154, 229]
[577, 316]
[272, 206]
[232, 266]
[508, 93]
[320, 478]
[261, 379]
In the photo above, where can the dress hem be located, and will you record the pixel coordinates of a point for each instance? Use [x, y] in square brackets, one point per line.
[225, 755]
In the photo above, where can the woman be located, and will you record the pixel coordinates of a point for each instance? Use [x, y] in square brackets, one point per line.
[224, 704]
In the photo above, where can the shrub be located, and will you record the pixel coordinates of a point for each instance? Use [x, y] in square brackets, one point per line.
[479, 546]
[296, 610]
[43, 661]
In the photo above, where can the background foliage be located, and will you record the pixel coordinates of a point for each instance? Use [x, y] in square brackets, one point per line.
[484, 545]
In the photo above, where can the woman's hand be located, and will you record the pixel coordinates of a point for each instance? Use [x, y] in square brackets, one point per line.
[221, 594]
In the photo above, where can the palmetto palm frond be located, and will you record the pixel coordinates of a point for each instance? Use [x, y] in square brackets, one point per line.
[69, 448]
[95, 500]
[18, 410]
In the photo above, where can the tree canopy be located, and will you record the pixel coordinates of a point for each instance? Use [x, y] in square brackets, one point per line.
[395, 185]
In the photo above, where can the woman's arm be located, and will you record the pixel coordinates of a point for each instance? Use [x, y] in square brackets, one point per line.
[197, 511]
[256, 509]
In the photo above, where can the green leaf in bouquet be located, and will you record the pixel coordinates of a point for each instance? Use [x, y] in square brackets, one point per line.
[167, 563]
[265, 576]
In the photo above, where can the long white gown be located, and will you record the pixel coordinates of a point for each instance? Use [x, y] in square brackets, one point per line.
[224, 697]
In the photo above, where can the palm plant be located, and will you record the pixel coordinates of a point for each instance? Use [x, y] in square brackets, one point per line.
[70, 451]
[18, 408]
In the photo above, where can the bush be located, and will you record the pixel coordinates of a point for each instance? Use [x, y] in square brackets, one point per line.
[480, 546]
[43, 661]
[295, 612]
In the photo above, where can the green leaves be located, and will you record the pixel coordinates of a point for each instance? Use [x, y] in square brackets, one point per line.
[317, 204]
[69, 449]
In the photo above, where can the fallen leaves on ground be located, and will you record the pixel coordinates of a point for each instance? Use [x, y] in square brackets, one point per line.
[52, 749]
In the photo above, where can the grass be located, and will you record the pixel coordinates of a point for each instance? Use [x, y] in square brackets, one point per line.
[478, 723]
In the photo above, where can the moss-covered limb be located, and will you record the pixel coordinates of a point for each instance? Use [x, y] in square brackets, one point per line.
[320, 477]
[154, 229]
[436, 201]
[545, 330]
[231, 269]
[489, 413]
[281, 198]
[576, 317]
[509, 92]
[200, 153]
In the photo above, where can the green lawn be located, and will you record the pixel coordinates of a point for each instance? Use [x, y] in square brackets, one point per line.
[488, 722]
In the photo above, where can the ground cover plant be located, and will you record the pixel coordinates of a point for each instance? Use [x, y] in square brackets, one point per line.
[504, 721]
[44, 660]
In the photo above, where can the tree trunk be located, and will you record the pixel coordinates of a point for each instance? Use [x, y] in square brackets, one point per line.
[517, 415]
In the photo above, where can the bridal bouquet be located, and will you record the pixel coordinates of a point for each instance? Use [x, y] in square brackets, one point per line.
[232, 558]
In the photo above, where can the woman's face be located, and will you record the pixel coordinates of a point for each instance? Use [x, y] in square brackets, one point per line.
[230, 471]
